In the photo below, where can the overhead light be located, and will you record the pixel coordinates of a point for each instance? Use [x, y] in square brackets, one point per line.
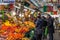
[29, 15]
[20, 15]
[0, 15]
[13, 13]
[32, 12]
[19, 4]
[4, 3]
[34, 2]
[25, 10]
[16, 7]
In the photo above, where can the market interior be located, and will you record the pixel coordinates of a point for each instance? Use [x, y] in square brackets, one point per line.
[17, 18]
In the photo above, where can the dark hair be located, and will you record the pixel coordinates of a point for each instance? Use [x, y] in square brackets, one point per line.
[43, 17]
[49, 15]
[39, 17]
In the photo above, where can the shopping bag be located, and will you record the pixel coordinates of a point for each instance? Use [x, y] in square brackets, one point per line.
[46, 31]
[31, 34]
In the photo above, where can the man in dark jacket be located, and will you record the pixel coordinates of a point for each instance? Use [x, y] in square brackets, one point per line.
[50, 21]
[38, 31]
[44, 26]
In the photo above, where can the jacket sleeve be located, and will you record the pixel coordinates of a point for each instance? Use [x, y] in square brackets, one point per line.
[39, 23]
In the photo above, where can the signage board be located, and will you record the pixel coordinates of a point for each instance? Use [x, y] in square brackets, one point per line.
[8, 1]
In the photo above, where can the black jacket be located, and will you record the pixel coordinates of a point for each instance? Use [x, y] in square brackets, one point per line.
[50, 25]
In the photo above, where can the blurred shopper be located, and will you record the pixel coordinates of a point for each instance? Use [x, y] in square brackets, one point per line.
[38, 31]
[56, 23]
[44, 21]
[44, 26]
[50, 21]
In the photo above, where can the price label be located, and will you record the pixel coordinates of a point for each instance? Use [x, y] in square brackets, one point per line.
[8, 1]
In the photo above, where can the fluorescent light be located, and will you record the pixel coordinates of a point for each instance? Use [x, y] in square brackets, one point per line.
[34, 2]
[0, 15]
[13, 13]
[28, 8]
[4, 3]
[16, 7]
[20, 15]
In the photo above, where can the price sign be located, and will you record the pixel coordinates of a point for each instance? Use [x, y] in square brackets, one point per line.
[8, 1]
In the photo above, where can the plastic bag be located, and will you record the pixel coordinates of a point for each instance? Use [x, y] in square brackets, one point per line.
[46, 31]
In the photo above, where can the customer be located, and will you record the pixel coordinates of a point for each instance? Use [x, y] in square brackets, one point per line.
[44, 21]
[56, 23]
[50, 21]
[44, 26]
[38, 31]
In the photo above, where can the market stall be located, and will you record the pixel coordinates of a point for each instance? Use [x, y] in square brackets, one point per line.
[18, 18]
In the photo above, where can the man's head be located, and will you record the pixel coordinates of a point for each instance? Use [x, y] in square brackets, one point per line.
[48, 16]
[39, 15]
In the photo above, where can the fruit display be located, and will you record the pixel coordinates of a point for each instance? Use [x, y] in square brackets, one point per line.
[14, 31]
[30, 24]
[16, 27]
[19, 18]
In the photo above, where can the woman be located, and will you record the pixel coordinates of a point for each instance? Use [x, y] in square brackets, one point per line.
[50, 21]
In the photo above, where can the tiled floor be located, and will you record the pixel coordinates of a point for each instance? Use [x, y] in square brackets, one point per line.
[56, 35]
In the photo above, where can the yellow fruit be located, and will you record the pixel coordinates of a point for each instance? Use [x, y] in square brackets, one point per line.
[7, 23]
[17, 30]
[30, 24]
[14, 25]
